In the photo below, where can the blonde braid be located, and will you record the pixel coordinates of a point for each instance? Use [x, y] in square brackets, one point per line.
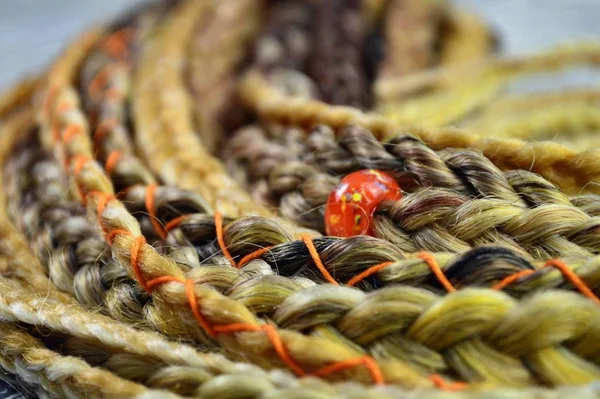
[59, 376]
[502, 67]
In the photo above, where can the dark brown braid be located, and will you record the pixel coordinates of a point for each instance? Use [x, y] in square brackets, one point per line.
[336, 61]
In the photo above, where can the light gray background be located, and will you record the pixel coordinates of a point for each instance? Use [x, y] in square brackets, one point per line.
[33, 31]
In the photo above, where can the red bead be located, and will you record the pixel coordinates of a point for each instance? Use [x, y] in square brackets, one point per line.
[351, 205]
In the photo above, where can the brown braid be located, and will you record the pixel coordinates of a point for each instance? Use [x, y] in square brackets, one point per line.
[364, 310]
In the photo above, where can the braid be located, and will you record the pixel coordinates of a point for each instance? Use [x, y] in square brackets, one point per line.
[553, 161]
[479, 192]
[35, 367]
[129, 250]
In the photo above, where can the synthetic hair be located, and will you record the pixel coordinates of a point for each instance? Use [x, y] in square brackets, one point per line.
[571, 170]
[43, 373]
[456, 198]
[483, 276]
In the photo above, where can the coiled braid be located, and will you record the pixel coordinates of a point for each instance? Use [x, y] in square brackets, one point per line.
[491, 306]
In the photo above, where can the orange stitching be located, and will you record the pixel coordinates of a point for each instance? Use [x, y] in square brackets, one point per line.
[275, 339]
[253, 255]
[70, 132]
[371, 270]
[102, 130]
[111, 161]
[175, 222]
[78, 162]
[573, 278]
[366, 361]
[116, 44]
[437, 271]
[136, 249]
[117, 232]
[103, 199]
[162, 280]
[113, 93]
[191, 296]
[64, 107]
[508, 280]
[317, 259]
[149, 202]
[235, 327]
[440, 383]
[100, 80]
[221, 239]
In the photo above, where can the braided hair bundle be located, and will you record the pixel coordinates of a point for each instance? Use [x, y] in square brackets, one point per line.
[186, 215]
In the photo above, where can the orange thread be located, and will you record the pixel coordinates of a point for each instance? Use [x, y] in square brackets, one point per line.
[253, 255]
[78, 162]
[163, 280]
[70, 132]
[573, 278]
[220, 239]
[117, 232]
[440, 383]
[136, 250]
[111, 161]
[113, 93]
[99, 81]
[275, 339]
[370, 271]
[63, 107]
[102, 130]
[512, 278]
[235, 327]
[149, 201]
[437, 271]
[175, 222]
[191, 296]
[366, 361]
[317, 259]
[116, 44]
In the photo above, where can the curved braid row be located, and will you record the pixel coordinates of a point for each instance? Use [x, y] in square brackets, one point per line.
[179, 158]
[20, 264]
[44, 373]
[216, 50]
[242, 236]
[208, 375]
[463, 189]
[572, 171]
[568, 113]
[501, 67]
